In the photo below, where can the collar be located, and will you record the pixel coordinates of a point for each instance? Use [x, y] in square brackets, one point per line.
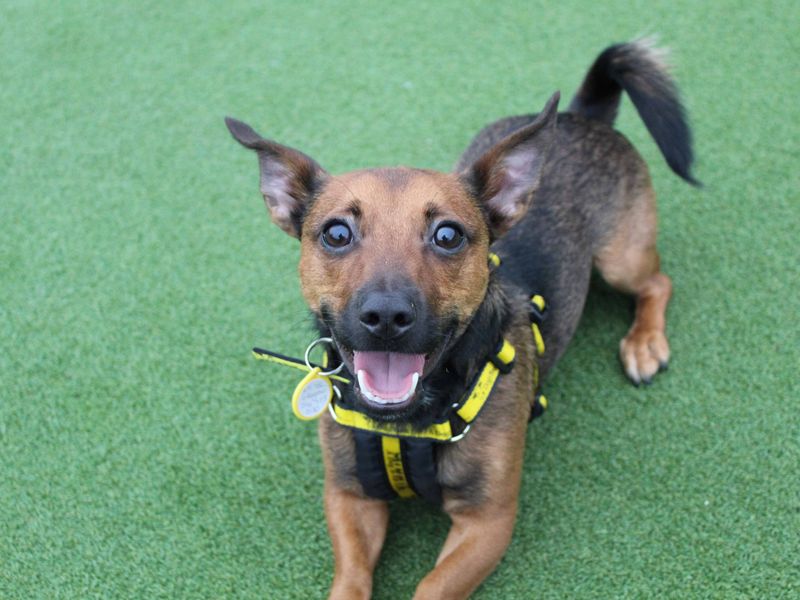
[452, 427]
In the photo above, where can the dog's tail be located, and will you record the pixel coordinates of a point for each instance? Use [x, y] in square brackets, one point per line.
[639, 69]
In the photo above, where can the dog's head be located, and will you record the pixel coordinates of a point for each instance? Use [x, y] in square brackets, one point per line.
[394, 260]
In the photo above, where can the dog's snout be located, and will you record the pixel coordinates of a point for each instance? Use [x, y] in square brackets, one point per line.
[387, 315]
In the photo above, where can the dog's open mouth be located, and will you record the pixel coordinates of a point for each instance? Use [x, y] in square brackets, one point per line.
[387, 379]
[389, 384]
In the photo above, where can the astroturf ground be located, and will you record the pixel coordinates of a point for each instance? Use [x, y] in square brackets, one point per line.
[145, 454]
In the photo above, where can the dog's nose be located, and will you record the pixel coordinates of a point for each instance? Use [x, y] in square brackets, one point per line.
[387, 315]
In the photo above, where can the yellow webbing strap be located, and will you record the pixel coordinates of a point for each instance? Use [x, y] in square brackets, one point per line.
[274, 357]
[351, 418]
[506, 353]
[538, 339]
[470, 408]
[393, 463]
[480, 392]
[485, 384]
[538, 302]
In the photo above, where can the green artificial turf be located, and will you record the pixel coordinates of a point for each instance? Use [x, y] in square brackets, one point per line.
[145, 454]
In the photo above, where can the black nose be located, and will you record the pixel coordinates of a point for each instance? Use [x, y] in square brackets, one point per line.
[387, 315]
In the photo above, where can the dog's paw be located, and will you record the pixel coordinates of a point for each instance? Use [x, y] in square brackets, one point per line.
[644, 353]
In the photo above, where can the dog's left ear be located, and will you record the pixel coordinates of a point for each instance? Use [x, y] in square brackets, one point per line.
[505, 178]
[289, 178]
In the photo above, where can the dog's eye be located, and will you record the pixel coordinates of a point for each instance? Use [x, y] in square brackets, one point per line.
[449, 236]
[337, 235]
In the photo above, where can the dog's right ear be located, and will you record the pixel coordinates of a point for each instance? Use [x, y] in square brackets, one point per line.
[289, 178]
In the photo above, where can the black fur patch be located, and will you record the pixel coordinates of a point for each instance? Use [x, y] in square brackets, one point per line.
[631, 67]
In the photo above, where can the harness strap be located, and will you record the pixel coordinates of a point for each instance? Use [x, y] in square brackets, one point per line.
[390, 467]
[370, 467]
[420, 456]
[295, 363]
[395, 470]
[401, 462]
[441, 432]
[536, 314]
[501, 361]
[538, 406]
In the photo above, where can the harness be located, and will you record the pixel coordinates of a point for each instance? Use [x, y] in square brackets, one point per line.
[400, 461]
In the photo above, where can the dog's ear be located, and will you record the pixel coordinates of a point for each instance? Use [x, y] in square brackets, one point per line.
[289, 178]
[505, 178]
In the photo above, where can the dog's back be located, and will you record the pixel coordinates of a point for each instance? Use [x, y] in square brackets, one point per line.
[595, 192]
[637, 68]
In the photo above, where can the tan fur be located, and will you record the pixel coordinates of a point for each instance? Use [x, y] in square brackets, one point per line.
[395, 202]
[629, 262]
[357, 527]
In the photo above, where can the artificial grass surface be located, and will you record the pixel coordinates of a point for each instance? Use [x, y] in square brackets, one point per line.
[144, 454]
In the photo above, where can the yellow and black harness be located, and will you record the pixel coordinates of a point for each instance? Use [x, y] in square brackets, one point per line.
[394, 461]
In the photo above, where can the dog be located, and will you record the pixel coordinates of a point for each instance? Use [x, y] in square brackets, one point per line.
[440, 288]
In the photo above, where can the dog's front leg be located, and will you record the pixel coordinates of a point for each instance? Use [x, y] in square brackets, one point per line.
[357, 527]
[477, 540]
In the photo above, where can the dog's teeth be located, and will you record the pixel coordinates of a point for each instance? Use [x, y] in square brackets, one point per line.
[377, 399]
[360, 376]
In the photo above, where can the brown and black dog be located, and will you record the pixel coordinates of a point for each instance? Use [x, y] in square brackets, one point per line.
[394, 268]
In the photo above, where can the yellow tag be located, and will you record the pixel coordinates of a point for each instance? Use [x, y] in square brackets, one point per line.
[311, 396]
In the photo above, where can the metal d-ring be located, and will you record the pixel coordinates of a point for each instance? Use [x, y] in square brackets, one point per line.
[461, 435]
[311, 346]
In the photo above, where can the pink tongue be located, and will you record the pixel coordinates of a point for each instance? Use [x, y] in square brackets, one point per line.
[388, 374]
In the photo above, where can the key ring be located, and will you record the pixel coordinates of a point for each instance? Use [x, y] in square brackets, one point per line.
[311, 346]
